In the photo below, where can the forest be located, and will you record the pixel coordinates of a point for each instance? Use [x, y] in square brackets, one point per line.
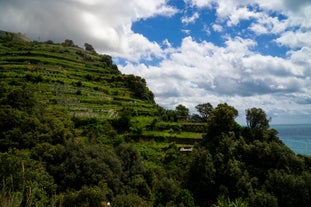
[75, 131]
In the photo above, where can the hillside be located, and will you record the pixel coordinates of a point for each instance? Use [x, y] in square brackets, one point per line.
[75, 131]
[86, 83]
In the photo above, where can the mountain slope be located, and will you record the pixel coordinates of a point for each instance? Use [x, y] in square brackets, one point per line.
[86, 83]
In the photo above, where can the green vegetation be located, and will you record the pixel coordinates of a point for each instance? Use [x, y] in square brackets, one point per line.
[74, 131]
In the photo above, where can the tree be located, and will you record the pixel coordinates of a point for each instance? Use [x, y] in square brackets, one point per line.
[256, 118]
[90, 48]
[221, 120]
[106, 59]
[21, 98]
[182, 112]
[204, 110]
[129, 200]
[257, 122]
[138, 87]
[77, 165]
[131, 160]
[68, 43]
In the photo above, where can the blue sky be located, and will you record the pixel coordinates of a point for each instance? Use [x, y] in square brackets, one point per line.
[250, 53]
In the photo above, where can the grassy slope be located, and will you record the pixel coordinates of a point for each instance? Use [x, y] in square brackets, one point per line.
[87, 86]
[84, 82]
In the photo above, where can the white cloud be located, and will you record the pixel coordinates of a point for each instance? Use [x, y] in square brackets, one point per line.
[199, 72]
[186, 31]
[233, 11]
[167, 43]
[266, 24]
[239, 14]
[217, 28]
[295, 39]
[200, 3]
[191, 19]
[302, 58]
[105, 24]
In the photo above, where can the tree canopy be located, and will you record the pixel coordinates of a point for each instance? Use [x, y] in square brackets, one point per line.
[204, 110]
[256, 118]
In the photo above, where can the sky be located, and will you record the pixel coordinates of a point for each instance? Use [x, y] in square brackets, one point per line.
[249, 53]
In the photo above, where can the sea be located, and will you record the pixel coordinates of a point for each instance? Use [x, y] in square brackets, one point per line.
[296, 136]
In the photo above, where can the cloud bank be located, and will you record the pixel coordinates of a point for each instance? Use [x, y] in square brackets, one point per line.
[105, 24]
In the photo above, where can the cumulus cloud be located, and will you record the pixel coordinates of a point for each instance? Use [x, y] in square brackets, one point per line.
[191, 19]
[105, 24]
[217, 28]
[200, 72]
[295, 39]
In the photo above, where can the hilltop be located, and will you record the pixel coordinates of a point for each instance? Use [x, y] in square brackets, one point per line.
[75, 131]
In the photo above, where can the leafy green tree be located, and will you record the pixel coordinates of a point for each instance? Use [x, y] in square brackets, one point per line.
[167, 191]
[21, 98]
[182, 112]
[185, 198]
[24, 122]
[87, 196]
[89, 48]
[221, 121]
[204, 110]
[261, 198]
[290, 189]
[28, 177]
[106, 59]
[256, 118]
[76, 165]
[129, 200]
[131, 160]
[139, 186]
[171, 116]
[258, 123]
[122, 123]
[68, 43]
[138, 87]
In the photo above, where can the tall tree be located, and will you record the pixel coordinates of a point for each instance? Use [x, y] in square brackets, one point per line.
[220, 123]
[68, 43]
[221, 119]
[90, 48]
[182, 112]
[204, 110]
[256, 118]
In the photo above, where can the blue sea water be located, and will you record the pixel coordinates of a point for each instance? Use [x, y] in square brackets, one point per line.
[297, 137]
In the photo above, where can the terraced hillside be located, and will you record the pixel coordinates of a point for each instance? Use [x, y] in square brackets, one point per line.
[86, 83]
